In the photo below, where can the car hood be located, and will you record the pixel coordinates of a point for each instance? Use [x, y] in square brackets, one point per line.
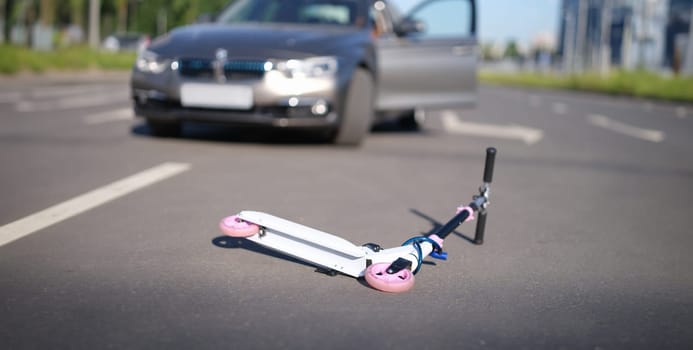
[260, 41]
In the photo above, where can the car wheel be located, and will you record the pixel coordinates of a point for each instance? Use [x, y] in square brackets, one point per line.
[357, 110]
[164, 129]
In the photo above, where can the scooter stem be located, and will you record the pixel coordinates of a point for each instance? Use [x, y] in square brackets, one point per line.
[478, 205]
[485, 189]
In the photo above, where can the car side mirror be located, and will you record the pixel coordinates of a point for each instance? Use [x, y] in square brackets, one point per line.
[408, 26]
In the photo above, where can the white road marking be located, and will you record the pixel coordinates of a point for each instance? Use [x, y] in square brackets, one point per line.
[534, 100]
[109, 116]
[8, 97]
[453, 124]
[559, 108]
[681, 112]
[625, 129]
[75, 206]
[71, 103]
[65, 90]
[605, 100]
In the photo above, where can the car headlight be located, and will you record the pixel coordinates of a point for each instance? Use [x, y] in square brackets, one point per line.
[314, 67]
[150, 62]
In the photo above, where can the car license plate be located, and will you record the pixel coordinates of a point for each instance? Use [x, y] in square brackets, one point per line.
[216, 96]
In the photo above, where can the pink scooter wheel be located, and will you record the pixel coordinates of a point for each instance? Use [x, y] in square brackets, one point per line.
[378, 278]
[236, 227]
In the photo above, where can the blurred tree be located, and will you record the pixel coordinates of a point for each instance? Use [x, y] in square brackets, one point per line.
[176, 13]
[29, 19]
[77, 12]
[511, 50]
[487, 51]
[213, 7]
[122, 14]
[185, 11]
[3, 20]
[47, 13]
[146, 16]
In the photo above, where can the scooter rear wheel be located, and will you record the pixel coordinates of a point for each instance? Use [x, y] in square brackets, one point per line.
[236, 227]
[378, 278]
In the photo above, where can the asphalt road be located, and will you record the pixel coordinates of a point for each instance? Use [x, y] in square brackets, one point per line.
[588, 242]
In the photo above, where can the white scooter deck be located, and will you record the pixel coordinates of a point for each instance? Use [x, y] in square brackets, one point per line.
[321, 248]
[308, 244]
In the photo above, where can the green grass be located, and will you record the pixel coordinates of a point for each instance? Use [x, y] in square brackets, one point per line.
[15, 60]
[627, 83]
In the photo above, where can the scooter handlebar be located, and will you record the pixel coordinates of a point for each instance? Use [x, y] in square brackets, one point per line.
[490, 161]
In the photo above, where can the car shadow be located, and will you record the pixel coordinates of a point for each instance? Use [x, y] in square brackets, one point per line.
[263, 135]
[396, 127]
[225, 133]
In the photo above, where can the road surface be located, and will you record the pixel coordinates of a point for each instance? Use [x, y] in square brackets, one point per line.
[109, 238]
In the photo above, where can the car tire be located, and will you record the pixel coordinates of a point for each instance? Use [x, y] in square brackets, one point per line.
[164, 129]
[357, 110]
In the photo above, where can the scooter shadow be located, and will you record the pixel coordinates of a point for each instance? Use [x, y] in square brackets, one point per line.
[242, 243]
[437, 225]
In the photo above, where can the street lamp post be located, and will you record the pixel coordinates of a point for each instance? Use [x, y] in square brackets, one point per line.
[605, 33]
[688, 63]
[580, 35]
[3, 16]
[94, 23]
[568, 44]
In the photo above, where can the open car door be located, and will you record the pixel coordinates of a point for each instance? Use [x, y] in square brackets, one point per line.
[429, 57]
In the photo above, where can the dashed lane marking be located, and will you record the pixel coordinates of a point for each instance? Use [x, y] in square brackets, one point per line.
[625, 129]
[559, 108]
[75, 206]
[71, 103]
[534, 101]
[9, 97]
[681, 112]
[453, 124]
[109, 116]
[66, 90]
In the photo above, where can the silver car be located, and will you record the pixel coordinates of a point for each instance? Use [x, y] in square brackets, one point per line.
[332, 66]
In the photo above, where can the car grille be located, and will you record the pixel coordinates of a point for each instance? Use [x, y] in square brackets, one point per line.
[233, 69]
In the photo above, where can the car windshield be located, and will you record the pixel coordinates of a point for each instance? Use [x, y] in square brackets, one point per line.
[329, 12]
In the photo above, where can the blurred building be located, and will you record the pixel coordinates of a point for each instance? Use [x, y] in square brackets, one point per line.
[599, 34]
[679, 42]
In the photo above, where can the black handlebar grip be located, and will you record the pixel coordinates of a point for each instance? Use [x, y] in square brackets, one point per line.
[490, 161]
[480, 228]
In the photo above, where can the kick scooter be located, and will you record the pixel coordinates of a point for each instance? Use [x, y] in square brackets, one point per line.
[389, 270]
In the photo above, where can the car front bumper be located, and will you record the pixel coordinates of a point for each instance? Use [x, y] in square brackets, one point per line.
[277, 101]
